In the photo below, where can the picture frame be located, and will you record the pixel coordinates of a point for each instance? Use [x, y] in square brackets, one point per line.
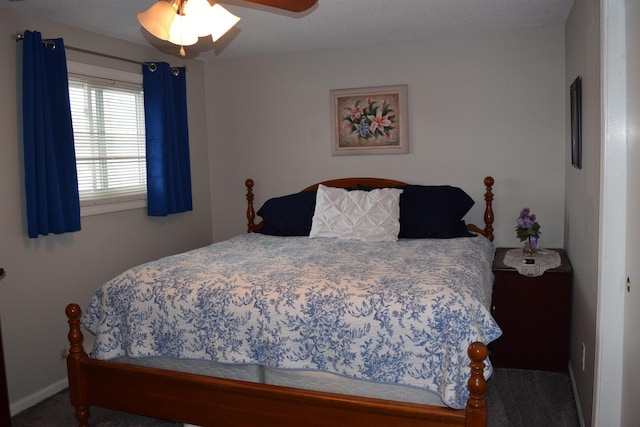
[576, 122]
[369, 120]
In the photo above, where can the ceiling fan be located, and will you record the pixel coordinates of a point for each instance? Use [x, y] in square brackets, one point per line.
[183, 22]
[290, 5]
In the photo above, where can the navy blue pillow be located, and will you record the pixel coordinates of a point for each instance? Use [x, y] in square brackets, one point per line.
[288, 215]
[433, 212]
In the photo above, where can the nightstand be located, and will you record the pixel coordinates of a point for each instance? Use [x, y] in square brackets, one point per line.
[534, 314]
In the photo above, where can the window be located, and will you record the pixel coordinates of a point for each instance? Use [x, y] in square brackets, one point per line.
[107, 110]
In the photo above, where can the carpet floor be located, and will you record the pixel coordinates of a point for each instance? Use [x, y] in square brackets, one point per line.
[516, 398]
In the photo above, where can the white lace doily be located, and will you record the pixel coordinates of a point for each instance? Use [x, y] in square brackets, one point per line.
[544, 260]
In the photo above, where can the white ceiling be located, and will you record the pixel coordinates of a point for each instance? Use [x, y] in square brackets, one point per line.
[330, 23]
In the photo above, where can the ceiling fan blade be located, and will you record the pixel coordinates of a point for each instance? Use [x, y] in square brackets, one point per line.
[291, 5]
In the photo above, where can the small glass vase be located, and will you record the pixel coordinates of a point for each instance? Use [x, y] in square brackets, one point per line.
[530, 247]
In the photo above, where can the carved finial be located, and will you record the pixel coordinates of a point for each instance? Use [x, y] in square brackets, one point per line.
[73, 311]
[477, 352]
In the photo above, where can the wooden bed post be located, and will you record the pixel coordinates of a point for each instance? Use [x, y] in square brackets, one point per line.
[476, 410]
[488, 212]
[74, 370]
[487, 231]
[251, 214]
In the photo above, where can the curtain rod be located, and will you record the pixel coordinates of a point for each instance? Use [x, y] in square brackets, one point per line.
[20, 37]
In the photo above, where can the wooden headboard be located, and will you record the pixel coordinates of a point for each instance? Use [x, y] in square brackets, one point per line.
[486, 231]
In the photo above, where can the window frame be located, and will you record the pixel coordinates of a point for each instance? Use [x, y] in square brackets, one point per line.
[101, 75]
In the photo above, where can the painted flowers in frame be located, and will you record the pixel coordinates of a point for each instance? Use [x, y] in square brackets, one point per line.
[370, 120]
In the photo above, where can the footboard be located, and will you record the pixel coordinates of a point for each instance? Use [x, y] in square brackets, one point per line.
[205, 401]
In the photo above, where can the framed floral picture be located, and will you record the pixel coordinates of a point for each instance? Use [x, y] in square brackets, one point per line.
[371, 120]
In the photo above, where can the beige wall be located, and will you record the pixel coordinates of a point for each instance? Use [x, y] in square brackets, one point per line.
[45, 274]
[478, 105]
[582, 200]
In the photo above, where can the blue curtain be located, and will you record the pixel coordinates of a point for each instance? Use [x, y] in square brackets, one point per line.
[51, 181]
[168, 166]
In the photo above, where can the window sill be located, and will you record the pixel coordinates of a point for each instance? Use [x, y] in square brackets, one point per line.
[99, 207]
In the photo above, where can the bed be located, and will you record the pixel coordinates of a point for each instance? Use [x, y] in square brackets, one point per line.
[377, 334]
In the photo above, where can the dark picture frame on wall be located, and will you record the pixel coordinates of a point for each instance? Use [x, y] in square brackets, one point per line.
[576, 122]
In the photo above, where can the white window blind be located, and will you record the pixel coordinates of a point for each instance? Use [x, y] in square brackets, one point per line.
[109, 135]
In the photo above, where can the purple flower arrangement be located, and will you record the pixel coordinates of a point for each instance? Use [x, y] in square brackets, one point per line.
[527, 226]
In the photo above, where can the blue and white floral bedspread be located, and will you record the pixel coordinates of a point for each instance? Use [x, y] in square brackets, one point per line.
[391, 312]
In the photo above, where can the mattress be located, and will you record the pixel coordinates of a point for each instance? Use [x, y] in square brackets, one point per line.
[307, 380]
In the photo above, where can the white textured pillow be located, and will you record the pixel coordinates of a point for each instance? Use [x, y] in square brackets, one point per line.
[371, 216]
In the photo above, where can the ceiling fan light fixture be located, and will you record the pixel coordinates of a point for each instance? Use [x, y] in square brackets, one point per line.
[198, 11]
[181, 32]
[220, 21]
[157, 19]
[182, 22]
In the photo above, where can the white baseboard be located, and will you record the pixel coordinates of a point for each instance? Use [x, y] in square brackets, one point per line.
[576, 396]
[37, 397]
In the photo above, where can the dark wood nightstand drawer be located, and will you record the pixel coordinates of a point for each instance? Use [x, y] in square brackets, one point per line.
[535, 316]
